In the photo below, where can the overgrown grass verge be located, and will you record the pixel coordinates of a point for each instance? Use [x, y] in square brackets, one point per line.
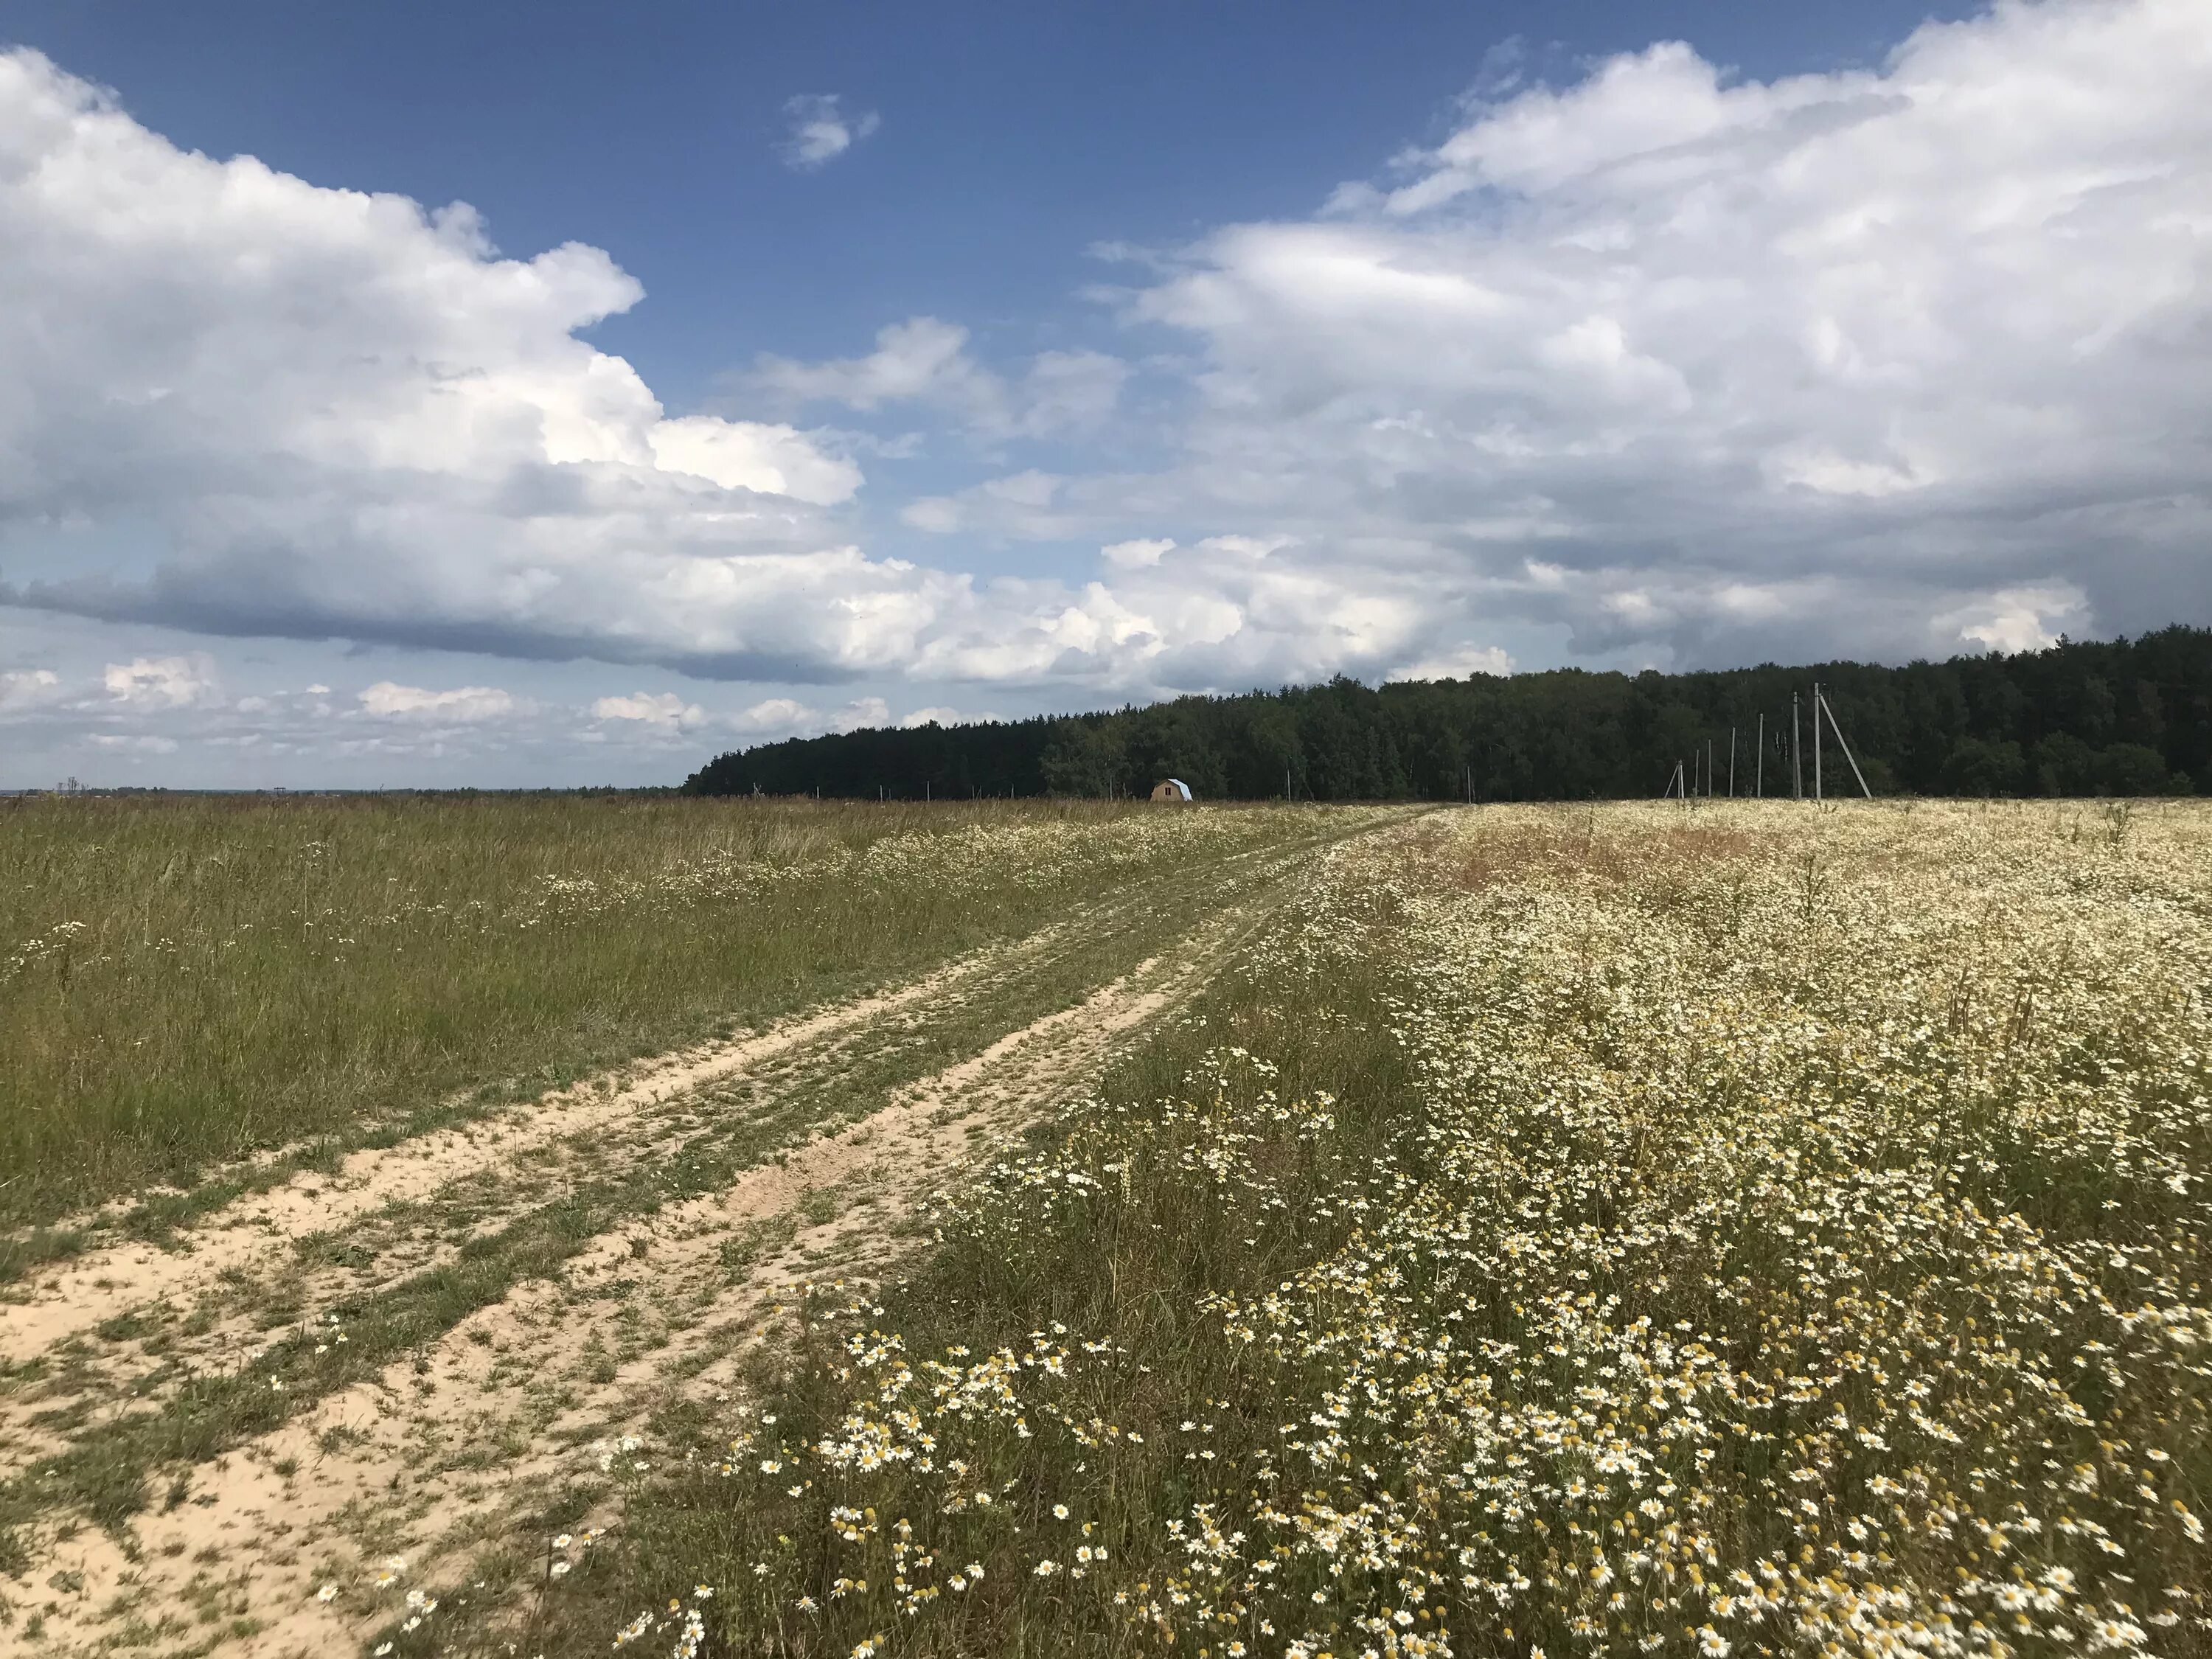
[189, 984]
[1630, 1231]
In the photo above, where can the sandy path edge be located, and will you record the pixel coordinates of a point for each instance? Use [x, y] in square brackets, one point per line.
[109, 1281]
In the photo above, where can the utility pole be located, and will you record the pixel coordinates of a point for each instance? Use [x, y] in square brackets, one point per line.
[1759, 761]
[1796, 754]
[1731, 762]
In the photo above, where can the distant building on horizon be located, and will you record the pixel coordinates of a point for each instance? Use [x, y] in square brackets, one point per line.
[1174, 789]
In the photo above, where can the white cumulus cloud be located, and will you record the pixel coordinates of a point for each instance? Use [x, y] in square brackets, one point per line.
[664, 710]
[2018, 618]
[920, 357]
[340, 414]
[1457, 664]
[926, 360]
[749, 455]
[24, 689]
[1912, 338]
[162, 682]
[1137, 552]
[141, 742]
[467, 705]
[821, 130]
[773, 718]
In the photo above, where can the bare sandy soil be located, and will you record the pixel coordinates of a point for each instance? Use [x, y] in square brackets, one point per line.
[104, 1283]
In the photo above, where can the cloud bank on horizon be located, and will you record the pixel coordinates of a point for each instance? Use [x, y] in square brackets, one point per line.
[1660, 365]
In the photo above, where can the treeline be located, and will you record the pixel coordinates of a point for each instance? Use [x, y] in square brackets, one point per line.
[2123, 717]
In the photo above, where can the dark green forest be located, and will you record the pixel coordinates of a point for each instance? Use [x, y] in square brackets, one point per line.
[2120, 717]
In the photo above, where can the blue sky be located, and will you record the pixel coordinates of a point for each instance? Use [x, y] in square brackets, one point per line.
[1120, 350]
[1016, 138]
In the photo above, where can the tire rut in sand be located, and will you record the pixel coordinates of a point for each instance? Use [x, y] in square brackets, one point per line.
[110, 1282]
[441, 1203]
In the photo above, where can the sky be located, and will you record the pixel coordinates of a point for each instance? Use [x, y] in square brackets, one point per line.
[414, 395]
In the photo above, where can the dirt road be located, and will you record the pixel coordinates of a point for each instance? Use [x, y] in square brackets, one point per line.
[414, 1358]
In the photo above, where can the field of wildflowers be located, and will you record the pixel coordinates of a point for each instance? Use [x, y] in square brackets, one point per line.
[1699, 1229]
[188, 981]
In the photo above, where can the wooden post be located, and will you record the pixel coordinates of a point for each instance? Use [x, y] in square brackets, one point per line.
[1759, 761]
[1731, 762]
[1796, 754]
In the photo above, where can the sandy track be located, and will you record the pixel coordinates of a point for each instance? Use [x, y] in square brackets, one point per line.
[440, 1457]
[104, 1283]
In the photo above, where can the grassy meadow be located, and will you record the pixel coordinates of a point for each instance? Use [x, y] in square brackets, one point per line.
[185, 982]
[1633, 1229]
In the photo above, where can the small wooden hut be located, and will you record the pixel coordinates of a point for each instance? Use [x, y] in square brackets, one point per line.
[1174, 790]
